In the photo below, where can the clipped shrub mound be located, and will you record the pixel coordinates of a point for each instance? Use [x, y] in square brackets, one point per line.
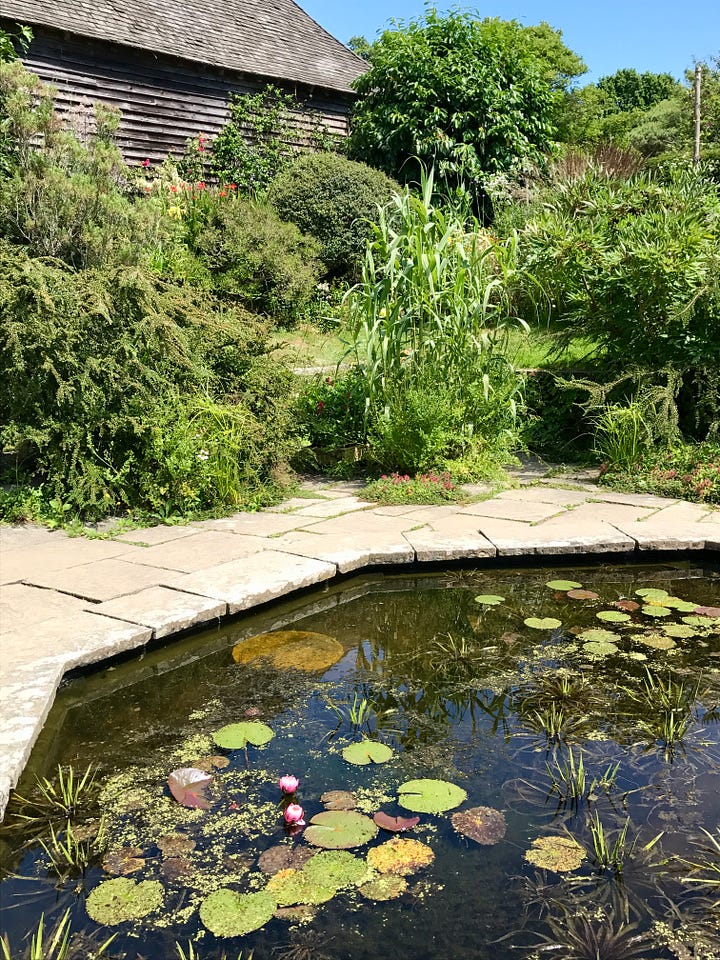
[334, 200]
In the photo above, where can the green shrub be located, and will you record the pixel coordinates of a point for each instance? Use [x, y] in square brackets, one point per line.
[334, 200]
[634, 265]
[684, 471]
[121, 391]
[256, 259]
[332, 410]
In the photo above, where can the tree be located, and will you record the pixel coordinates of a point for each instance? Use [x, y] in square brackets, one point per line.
[360, 46]
[473, 97]
[629, 90]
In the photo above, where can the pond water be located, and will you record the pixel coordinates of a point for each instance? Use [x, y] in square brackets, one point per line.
[578, 710]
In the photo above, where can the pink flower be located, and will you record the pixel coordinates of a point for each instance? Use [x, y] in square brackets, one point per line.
[146, 163]
[288, 783]
[293, 815]
[201, 185]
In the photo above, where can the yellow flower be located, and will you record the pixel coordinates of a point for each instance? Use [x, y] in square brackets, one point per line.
[175, 212]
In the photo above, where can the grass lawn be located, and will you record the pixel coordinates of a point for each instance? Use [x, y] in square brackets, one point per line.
[308, 345]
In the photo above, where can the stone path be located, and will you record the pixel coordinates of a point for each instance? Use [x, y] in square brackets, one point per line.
[67, 603]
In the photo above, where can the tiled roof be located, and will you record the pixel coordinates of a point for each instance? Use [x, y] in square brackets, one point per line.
[269, 38]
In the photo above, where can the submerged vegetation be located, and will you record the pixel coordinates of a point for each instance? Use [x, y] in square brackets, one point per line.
[448, 729]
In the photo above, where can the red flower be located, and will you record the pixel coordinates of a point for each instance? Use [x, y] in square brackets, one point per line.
[233, 186]
[146, 162]
[201, 185]
[223, 193]
[321, 405]
[173, 188]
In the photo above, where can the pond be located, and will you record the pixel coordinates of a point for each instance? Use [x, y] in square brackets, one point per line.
[493, 763]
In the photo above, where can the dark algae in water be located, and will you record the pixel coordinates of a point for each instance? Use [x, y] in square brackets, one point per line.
[476, 764]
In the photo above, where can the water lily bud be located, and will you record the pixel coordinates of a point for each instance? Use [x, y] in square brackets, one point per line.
[294, 815]
[288, 783]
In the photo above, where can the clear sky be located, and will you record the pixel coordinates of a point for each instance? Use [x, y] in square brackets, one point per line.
[658, 35]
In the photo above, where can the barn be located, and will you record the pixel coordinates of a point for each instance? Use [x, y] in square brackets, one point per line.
[170, 65]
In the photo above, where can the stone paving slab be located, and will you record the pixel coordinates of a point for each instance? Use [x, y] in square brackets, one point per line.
[105, 579]
[204, 548]
[69, 602]
[165, 611]
[264, 576]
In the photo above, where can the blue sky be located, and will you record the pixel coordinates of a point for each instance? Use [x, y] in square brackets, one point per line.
[663, 36]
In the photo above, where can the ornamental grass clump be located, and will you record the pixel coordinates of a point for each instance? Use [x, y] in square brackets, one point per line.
[428, 322]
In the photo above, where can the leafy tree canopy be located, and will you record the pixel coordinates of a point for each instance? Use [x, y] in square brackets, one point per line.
[474, 97]
[627, 89]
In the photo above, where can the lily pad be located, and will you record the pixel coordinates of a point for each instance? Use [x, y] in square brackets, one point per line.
[484, 825]
[698, 621]
[235, 736]
[119, 900]
[387, 887]
[709, 612]
[430, 796]
[656, 640]
[564, 585]
[284, 856]
[292, 888]
[400, 856]
[599, 648]
[340, 830]
[489, 599]
[629, 606]
[542, 623]
[598, 635]
[681, 631]
[291, 649]
[339, 800]
[365, 752]
[123, 861]
[395, 824]
[215, 761]
[583, 594]
[613, 616]
[559, 854]
[651, 593]
[229, 914]
[337, 868]
[188, 784]
[682, 606]
[175, 868]
[652, 610]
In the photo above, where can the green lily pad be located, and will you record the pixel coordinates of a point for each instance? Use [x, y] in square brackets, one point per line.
[292, 888]
[559, 854]
[681, 631]
[229, 914]
[119, 900]
[489, 599]
[340, 830]
[365, 752]
[235, 736]
[598, 648]
[613, 616]
[652, 610]
[651, 593]
[542, 623]
[598, 635]
[386, 887]
[564, 585]
[430, 796]
[337, 868]
[682, 606]
[698, 621]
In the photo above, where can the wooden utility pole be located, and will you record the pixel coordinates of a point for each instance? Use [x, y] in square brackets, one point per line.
[698, 81]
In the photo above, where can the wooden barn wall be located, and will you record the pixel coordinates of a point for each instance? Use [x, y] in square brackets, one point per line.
[163, 101]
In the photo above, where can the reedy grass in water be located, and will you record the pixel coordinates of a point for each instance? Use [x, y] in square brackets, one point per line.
[55, 945]
[571, 782]
[70, 853]
[62, 799]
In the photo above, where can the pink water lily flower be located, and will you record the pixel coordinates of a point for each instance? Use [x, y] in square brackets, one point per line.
[288, 783]
[294, 814]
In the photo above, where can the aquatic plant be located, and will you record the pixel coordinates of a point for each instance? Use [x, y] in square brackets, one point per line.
[395, 824]
[291, 650]
[366, 752]
[484, 825]
[68, 797]
[193, 955]
[293, 815]
[542, 623]
[236, 736]
[385, 887]
[188, 785]
[340, 830]
[60, 944]
[72, 850]
[290, 888]
[288, 784]
[607, 855]
[706, 872]
[589, 938]
[560, 854]
[430, 796]
[229, 914]
[564, 585]
[570, 782]
[400, 856]
[119, 900]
